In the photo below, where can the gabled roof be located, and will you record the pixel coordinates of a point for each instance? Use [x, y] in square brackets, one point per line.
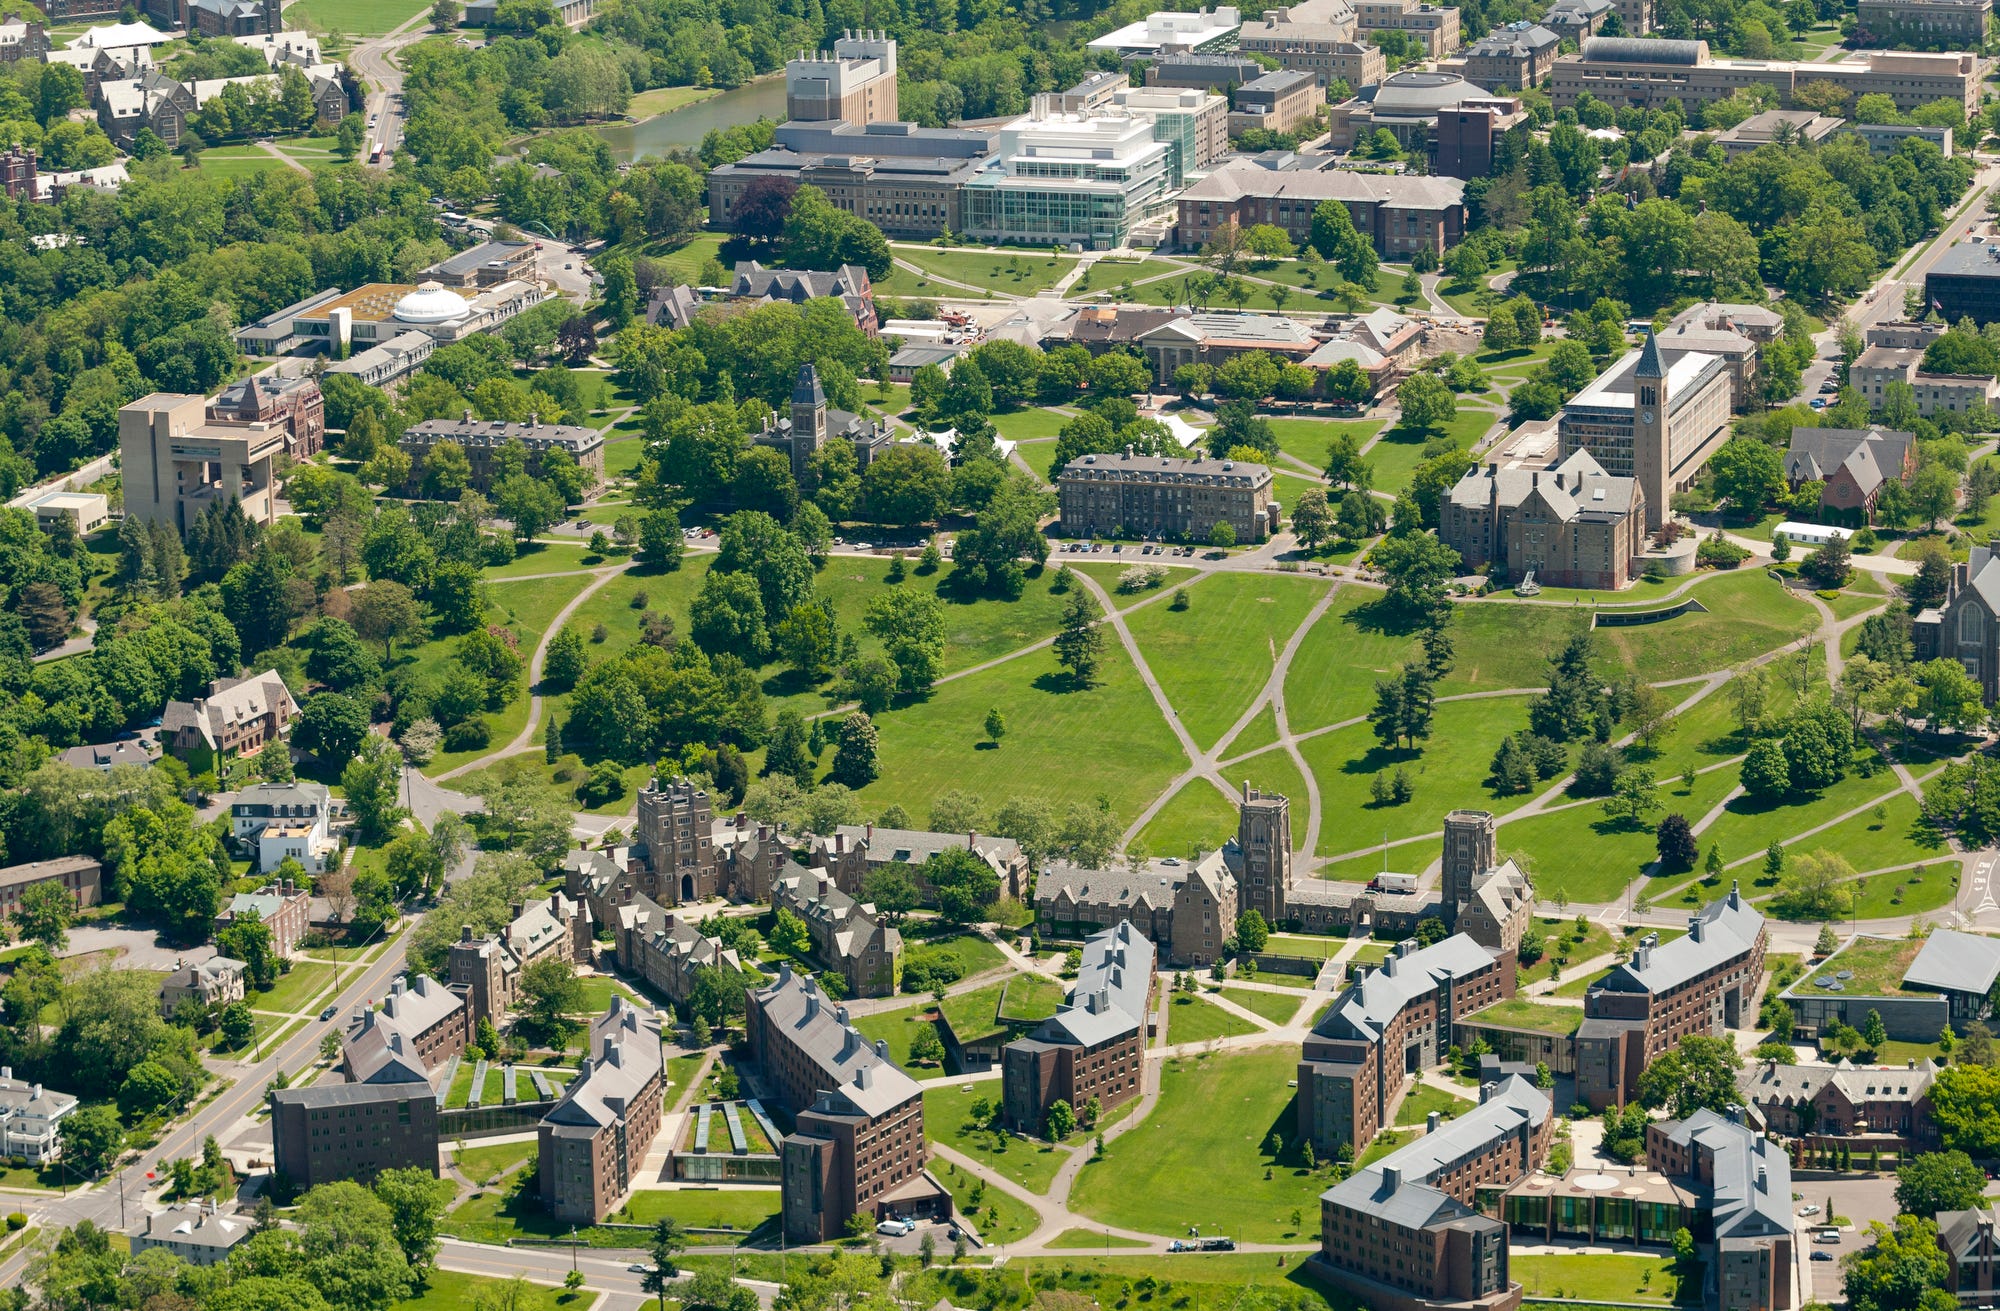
[1398, 1187]
[624, 1056]
[1956, 962]
[1749, 1177]
[1723, 929]
[795, 1005]
[1109, 998]
[231, 701]
[1371, 1001]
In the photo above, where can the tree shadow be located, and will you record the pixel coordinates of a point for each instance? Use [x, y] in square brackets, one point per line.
[1385, 618]
[1059, 684]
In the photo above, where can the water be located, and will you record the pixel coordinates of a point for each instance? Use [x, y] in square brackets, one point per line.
[762, 98]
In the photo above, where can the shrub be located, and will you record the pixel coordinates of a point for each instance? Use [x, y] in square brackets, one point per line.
[1719, 553]
[1141, 577]
[16, 1221]
[469, 735]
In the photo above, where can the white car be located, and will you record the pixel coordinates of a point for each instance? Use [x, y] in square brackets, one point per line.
[1809, 1210]
[896, 1228]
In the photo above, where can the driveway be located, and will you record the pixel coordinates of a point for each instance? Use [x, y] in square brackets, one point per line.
[142, 948]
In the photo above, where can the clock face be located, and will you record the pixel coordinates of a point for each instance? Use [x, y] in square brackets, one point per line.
[1645, 416]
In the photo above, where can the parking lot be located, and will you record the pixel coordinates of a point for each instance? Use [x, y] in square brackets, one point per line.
[1857, 1201]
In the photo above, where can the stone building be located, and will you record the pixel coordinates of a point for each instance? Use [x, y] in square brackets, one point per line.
[1399, 213]
[216, 981]
[1923, 24]
[849, 284]
[846, 935]
[1570, 526]
[855, 851]
[293, 403]
[1434, 28]
[1863, 1109]
[1624, 70]
[1094, 1047]
[1388, 1024]
[1406, 1231]
[1321, 37]
[666, 949]
[481, 440]
[1853, 463]
[1516, 57]
[1158, 496]
[1966, 626]
[1655, 417]
[592, 1143]
[1281, 102]
[21, 39]
[1736, 333]
[676, 842]
[486, 972]
[1184, 909]
[811, 424]
[1702, 983]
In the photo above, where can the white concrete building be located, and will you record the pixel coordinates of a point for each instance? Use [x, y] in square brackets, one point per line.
[1062, 179]
[285, 819]
[86, 511]
[1202, 30]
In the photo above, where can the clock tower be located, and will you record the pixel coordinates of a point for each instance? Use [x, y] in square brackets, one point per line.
[1651, 457]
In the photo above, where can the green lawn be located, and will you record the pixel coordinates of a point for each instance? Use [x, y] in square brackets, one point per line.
[1192, 1018]
[1010, 273]
[486, 1164]
[1895, 839]
[1904, 893]
[1603, 1277]
[539, 558]
[1876, 964]
[1083, 1239]
[295, 991]
[744, 1209]
[1748, 825]
[1445, 775]
[352, 17]
[1107, 275]
[1276, 1007]
[446, 1290]
[681, 1072]
[998, 1217]
[948, 1120]
[1579, 852]
[1423, 1099]
[1063, 743]
[525, 609]
[898, 1028]
[1201, 1154]
[1396, 457]
[1261, 732]
[1197, 817]
[1215, 656]
[1041, 457]
[666, 99]
[1309, 439]
[566, 774]
[1403, 858]
[1024, 996]
[685, 261]
[1356, 642]
[1032, 422]
[235, 162]
[974, 954]
[1304, 946]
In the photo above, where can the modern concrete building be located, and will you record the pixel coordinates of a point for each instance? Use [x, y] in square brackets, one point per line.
[294, 402]
[236, 718]
[31, 1119]
[1094, 1047]
[1449, 120]
[1923, 24]
[1784, 127]
[1168, 32]
[1193, 123]
[482, 439]
[1390, 1023]
[1517, 57]
[913, 197]
[81, 876]
[1400, 214]
[854, 83]
[216, 981]
[811, 424]
[1216, 72]
[858, 1142]
[1067, 179]
[378, 313]
[283, 907]
[1853, 464]
[1573, 525]
[487, 264]
[176, 462]
[83, 512]
[1625, 71]
[1282, 102]
[280, 820]
[1404, 1232]
[1655, 416]
[1735, 333]
[1964, 282]
[199, 1233]
[592, 1144]
[1156, 495]
[1702, 983]
[847, 936]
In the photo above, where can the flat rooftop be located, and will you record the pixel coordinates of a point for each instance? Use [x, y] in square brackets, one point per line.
[1613, 389]
[1865, 967]
[1968, 259]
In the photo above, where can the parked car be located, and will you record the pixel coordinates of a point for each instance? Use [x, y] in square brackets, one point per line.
[1822, 1256]
[896, 1228]
[1809, 1209]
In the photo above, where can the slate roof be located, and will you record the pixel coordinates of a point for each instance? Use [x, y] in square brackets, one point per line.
[196, 1224]
[1513, 41]
[1585, 488]
[1956, 962]
[1749, 1177]
[1245, 177]
[624, 1056]
[231, 701]
[915, 846]
[1411, 1201]
[874, 1090]
[795, 1004]
[1109, 997]
[1371, 1001]
[1871, 454]
[1723, 929]
[1959, 1231]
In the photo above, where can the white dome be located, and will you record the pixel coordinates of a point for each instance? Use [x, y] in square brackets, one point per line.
[431, 303]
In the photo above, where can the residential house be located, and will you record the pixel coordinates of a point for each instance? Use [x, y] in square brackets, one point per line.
[199, 1233]
[236, 718]
[1852, 464]
[280, 821]
[216, 981]
[31, 1119]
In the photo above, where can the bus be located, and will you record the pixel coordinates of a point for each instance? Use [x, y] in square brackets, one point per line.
[375, 153]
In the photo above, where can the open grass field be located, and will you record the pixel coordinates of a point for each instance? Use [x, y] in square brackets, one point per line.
[948, 1120]
[1052, 728]
[295, 991]
[1277, 1007]
[685, 261]
[681, 1072]
[1603, 1277]
[1871, 843]
[1041, 457]
[567, 774]
[1197, 817]
[1396, 457]
[1905, 892]
[997, 1217]
[1030, 422]
[1423, 1099]
[898, 1028]
[538, 558]
[235, 162]
[743, 1209]
[1308, 439]
[1747, 826]
[1106, 568]
[1448, 772]
[1578, 852]
[1261, 732]
[525, 608]
[1202, 1155]
[1215, 656]
[1106, 276]
[1084, 1239]
[666, 99]
[1012, 273]
[353, 17]
[1219, 1280]
[1402, 858]
[446, 1290]
[1193, 1018]
[1355, 643]
[485, 1164]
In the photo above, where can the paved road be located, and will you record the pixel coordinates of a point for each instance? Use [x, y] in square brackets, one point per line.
[374, 61]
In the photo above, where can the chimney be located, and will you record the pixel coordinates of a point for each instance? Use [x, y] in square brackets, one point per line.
[6, 1073]
[465, 933]
[1389, 966]
[555, 904]
[399, 987]
[468, 414]
[784, 973]
[1641, 956]
[36, 1095]
[1735, 902]
[1694, 928]
[1392, 1177]
[519, 909]
[871, 835]
[583, 1069]
[1431, 1122]
[841, 1014]
[882, 1048]
[812, 1006]
[612, 1055]
[971, 840]
[1485, 1091]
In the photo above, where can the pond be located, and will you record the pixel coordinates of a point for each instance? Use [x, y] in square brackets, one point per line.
[686, 126]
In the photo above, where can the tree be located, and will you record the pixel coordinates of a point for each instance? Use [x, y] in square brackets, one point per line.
[1334, 236]
[416, 1200]
[1873, 1031]
[1675, 841]
[92, 1138]
[1222, 536]
[551, 993]
[996, 726]
[1895, 1272]
[1934, 493]
[911, 627]
[1766, 775]
[1427, 403]
[1080, 643]
[44, 915]
[565, 661]
[660, 541]
[1252, 933]
[1061, 1120]
[331, 726]
[237, 1024]
[249, 940]
[1698, 1073]
[669, 1241]
[789, 936]
[348, 1238]
[1747, 473]
[1312, 520]
[385, 611]
[1416, 568]
[854, 754]
[1814, 886]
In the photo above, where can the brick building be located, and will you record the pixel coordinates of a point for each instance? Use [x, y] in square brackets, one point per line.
[1702, 983]
[1923, 24]
[82, 876]
[1276, 102]
[854, 851]
[385, 1117]
[592, 1143]
[1854, 464]
[1095, 1044]
[847, 936]
[1655, 416]
[1399, 213]
[1403, 1232]
[482, 439]
[282, 906]
[1862, 1108]
[295, 404]
[1388, 1024]
[1516, 57]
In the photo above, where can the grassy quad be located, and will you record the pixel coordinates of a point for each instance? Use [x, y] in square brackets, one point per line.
[525, 608]
[483, 1165]
[1894, 839]
[1423, 1099]
[1605, 1277]
[1194, 1018]
[1278, 1008]
[1579, 852]
[1401, 858]
[446, 1290]
[1197, 816]
[898, 1028]
[948, 1119]
[1449, 772]
[1215, 656]
[1333, 674]
[354, 17]
[1748, 825]
[1202, 1154]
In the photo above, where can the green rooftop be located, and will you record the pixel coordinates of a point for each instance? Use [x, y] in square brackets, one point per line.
[1021, 999]
[1875, 967]
[1536, 1017]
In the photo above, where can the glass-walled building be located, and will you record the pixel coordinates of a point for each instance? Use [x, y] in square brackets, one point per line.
[1061, 178]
